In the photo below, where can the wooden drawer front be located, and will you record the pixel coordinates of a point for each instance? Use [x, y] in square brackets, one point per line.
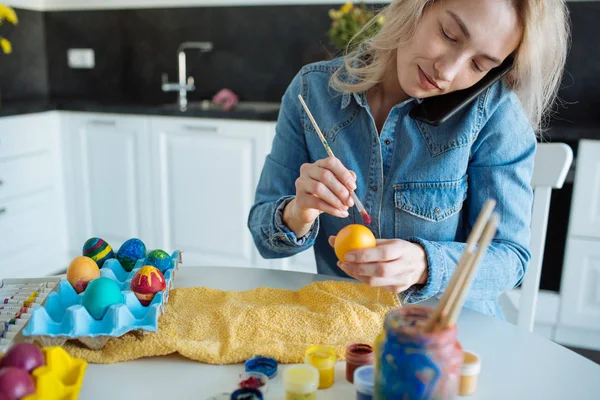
[25, 223]
[24, 175]
[24, 134]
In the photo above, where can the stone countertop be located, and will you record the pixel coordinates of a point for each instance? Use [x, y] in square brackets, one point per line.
[247, 111]
[559, 131]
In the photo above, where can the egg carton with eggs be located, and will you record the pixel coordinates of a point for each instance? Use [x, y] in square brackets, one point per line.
[63, 317]
[113, 269]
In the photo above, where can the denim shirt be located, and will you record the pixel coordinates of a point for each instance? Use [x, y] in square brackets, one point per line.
[420, 183]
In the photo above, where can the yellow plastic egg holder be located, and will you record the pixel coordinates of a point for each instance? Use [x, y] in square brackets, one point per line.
[60, 379]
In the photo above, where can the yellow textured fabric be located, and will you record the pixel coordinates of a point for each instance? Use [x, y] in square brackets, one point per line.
[225, 327]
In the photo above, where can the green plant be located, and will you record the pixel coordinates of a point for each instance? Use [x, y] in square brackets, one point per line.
[7, 14]
[347, 21]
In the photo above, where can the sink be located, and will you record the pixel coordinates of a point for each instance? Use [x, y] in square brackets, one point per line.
[242, 106]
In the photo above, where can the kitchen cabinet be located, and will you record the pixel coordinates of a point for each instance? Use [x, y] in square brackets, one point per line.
[108, 179]
[32, 214]
[204, 175]
[579, 317]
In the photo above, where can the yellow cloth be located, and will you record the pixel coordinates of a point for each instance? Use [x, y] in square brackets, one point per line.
[225, 327]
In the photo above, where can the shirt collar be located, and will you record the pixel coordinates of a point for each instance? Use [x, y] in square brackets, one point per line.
[362, 101]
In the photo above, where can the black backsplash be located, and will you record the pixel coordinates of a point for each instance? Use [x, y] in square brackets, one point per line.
[257, 51]
[24, 72]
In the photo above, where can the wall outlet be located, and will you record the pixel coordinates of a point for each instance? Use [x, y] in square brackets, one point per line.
[81, 58]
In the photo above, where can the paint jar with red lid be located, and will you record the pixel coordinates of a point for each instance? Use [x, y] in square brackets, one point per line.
[413, 364]
[357, 355]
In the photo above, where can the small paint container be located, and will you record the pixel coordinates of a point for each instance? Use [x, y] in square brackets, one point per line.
[363, 382]
[254, 380]
[469, 373]
[301, 382]
[246, 394]
[323, 359]
[357, 355]
[265, 365]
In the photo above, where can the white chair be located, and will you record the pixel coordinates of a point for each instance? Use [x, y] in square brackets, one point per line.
[552, 162]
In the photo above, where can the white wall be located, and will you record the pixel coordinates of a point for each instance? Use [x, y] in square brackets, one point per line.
[50, 5]
[43, 5]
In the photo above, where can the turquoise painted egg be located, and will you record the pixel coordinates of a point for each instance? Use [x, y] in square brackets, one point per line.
[159, 259]
[98, 250]
[100, 294]
[131, 251]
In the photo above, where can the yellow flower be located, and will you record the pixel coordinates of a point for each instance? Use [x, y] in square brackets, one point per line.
[6, 46]
[346, 8]
[333, 14]
[381, 19]
[8, 14]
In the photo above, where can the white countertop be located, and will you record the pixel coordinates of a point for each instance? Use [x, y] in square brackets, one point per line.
[515, 364]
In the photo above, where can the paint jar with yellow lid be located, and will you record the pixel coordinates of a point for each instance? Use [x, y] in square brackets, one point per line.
[469, 373]
[301, 382]
[323, 359]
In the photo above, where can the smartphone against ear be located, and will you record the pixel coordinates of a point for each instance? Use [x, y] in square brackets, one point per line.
[438, 109]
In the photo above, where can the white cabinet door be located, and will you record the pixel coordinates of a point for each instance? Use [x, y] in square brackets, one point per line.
[302, 262]
[109, 195]
[580, 285]
[32, 213]
[206, 174]
[585, 209]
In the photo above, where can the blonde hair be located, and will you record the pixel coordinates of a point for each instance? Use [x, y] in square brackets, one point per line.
[538, 65]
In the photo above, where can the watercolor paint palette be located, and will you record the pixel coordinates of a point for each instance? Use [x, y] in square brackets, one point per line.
[18, 299]
[63, 317]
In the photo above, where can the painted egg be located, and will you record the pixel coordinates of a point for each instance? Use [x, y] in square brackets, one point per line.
[82, 270]
[159, 259]
[146, 282]
[98, 250]
[100, 294]
[131, 251]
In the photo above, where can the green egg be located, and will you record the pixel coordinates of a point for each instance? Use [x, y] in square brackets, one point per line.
[159, 259]
[100, 294]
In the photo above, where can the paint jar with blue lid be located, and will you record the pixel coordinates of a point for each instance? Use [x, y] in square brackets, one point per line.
[246, 394]
[364, 382]
[265, 365]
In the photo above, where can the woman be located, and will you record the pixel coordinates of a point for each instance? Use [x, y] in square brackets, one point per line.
[423, 185]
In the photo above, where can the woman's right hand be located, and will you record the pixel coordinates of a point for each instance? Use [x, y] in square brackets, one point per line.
[323, 186]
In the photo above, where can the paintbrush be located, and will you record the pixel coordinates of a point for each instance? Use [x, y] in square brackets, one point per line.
[365, 215]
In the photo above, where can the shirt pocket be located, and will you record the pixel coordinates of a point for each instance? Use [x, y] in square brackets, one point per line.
[330, 123]
[431, 201]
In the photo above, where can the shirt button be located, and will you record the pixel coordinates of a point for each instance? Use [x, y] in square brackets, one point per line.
[387, 142]
[374, 187]
[437, 210]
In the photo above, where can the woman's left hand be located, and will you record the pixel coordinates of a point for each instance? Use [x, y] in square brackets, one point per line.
[393, 264]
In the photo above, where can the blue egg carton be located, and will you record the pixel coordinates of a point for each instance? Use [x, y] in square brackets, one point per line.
[63, 318]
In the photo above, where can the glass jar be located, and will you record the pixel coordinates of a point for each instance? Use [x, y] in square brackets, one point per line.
[412, 364]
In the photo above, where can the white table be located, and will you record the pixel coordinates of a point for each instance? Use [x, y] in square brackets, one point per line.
[515, 364]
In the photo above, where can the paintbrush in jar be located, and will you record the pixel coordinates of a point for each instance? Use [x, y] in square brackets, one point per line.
[365, 215]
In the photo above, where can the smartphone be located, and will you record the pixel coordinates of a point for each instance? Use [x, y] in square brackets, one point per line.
[438, 109]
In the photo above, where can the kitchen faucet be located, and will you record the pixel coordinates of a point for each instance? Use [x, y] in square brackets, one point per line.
[184, 86]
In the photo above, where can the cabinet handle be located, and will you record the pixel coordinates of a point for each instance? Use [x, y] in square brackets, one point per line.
[103, 122]
[2, 210]
[202, 128]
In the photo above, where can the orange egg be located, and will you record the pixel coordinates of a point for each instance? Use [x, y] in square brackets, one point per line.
[353, 237]
[82, 270]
